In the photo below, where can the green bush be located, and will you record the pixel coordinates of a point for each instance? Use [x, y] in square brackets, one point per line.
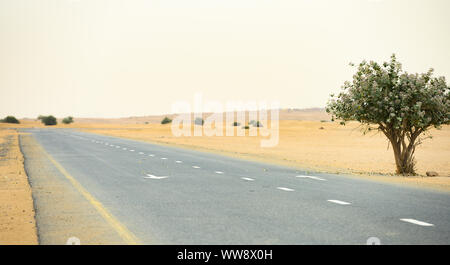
[48, 120]
[166, 120]
[236, 123]
[10, 119]
[67, 120]
[199, 121]
[246, 127]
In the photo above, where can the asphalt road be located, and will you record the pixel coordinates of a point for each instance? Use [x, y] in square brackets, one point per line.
[166, 195]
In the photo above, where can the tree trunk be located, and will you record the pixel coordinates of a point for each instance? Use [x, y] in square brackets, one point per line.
[404, 158]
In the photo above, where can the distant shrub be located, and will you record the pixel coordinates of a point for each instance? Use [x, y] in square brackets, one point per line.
[67, 120]
[258, 124]
[199, 121]
[48, 120]
[10, 119]
[246, 127]
[166, 120]
[323, 121]
[236, 123]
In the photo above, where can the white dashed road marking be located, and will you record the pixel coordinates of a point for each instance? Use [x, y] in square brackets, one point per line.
[285, 189]
[155, 177]
[151, 155]
[219, 172]
[248, 179]
[195, 167]
[178, 161]
[163, 158]
[141, 153]
[416, 222]
[124, 148]
[310, 177]
[131, 150]
[339, 202]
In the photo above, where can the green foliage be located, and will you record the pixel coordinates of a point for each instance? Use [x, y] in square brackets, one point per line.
[236, 123]
[385, 94]
[199, 121]
[246, 127]
[10, 119]
[68, 120]
[166, 120]
[48, 120]
[400, 104]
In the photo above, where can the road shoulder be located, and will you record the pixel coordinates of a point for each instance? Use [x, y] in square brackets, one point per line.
[62, 211]
[17, 215]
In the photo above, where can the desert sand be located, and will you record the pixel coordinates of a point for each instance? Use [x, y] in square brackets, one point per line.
[17, 223]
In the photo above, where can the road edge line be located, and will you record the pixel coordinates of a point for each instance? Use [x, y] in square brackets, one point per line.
[121, 229]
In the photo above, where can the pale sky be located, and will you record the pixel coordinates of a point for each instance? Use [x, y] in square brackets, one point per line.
[108, 58]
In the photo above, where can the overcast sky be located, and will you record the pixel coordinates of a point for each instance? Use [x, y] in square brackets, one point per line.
[91, 58]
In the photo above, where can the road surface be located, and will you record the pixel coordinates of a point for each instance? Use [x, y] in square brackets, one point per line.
[153, 194]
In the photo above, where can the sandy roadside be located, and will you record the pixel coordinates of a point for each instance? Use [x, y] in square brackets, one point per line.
[17, 216]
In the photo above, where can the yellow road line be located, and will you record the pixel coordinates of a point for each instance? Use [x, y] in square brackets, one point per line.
[123, 232]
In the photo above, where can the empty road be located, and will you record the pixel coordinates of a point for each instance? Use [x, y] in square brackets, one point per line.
[127, 191]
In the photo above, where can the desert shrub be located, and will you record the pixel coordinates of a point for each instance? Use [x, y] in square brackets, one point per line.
[67, 120]
[258, 124]
[10, 119]
[401, 105]
[166, 120]
[236, 123]
[246, 127]
[48, 120]
[199, 121]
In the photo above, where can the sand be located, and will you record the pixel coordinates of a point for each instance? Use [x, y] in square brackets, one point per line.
[17, 222]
